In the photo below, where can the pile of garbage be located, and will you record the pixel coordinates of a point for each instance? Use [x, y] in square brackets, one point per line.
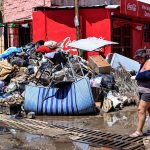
[46, 64]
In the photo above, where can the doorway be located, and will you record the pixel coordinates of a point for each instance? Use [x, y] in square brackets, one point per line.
[24, 34]
[123, 36]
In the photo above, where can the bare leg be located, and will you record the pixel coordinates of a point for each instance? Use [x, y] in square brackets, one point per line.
[143, 107]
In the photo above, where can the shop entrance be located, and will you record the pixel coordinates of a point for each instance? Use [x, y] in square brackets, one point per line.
[122, 35]
[24, 34]
[14, 35]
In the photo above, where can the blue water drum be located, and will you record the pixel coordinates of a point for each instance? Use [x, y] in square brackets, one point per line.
[72, 99]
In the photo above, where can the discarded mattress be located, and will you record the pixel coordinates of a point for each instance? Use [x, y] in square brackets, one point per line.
[127, 63]
[73, 99]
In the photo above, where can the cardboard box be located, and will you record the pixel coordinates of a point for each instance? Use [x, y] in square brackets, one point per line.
[99, 64]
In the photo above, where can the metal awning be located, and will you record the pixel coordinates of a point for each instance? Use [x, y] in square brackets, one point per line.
[112, 6]
[64, 7]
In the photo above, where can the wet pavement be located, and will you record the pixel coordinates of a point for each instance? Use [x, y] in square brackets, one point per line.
[121, 122]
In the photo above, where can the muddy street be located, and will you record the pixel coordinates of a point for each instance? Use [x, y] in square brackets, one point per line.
[122, 122]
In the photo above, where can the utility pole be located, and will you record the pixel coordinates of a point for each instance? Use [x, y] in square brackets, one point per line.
[76, 19]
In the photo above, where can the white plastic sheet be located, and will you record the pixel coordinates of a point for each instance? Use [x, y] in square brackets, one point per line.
[90, 44]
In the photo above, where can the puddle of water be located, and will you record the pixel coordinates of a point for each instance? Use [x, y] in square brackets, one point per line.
[120, 122]
[82, 146]
[31, 141]
[31, 138]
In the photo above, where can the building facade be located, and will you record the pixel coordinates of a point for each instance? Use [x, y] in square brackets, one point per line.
[16, 22]
[19, 10]
[1, 28]
[94, 22]
[124, 21]
[127, 23]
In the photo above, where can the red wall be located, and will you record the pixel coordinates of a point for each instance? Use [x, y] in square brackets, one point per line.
[96, 23]
[137, 37]
[38, 26]
[138, 40]
[59, 24]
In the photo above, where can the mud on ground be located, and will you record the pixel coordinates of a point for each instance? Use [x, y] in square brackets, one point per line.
[121, 122]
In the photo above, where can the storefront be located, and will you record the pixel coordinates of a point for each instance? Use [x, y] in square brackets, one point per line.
[129, 25]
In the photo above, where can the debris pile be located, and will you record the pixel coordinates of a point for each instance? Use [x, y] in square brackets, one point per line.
[46, 64]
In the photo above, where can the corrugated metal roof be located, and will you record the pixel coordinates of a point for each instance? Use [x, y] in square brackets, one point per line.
[65, 7]
[84, 2]
[112, 6]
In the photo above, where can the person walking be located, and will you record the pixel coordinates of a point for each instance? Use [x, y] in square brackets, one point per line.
[143, 81]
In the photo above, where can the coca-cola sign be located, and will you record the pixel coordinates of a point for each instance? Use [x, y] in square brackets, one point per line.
[146, 10]
[131, 7]
[135, 8]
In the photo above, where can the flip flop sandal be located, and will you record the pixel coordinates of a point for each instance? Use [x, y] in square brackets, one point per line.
[136, 134]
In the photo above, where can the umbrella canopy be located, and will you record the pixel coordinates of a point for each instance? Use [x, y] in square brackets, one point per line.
[90, 44]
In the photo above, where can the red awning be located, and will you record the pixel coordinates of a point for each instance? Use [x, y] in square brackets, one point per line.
[120, 23]
[136, 8]
[144, 1]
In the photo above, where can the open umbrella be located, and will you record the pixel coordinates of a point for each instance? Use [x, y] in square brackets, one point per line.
[90, 44]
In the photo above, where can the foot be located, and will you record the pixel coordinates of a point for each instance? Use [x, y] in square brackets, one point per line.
[136, 134]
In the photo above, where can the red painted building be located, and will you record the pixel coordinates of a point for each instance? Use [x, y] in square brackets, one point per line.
[125, 24]
[57, 24]
[17, 21]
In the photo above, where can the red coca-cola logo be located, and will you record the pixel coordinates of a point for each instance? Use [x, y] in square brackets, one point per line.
[131, 7]
[65, 44]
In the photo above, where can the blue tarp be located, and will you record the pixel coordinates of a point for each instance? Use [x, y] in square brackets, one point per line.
[9, 51]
